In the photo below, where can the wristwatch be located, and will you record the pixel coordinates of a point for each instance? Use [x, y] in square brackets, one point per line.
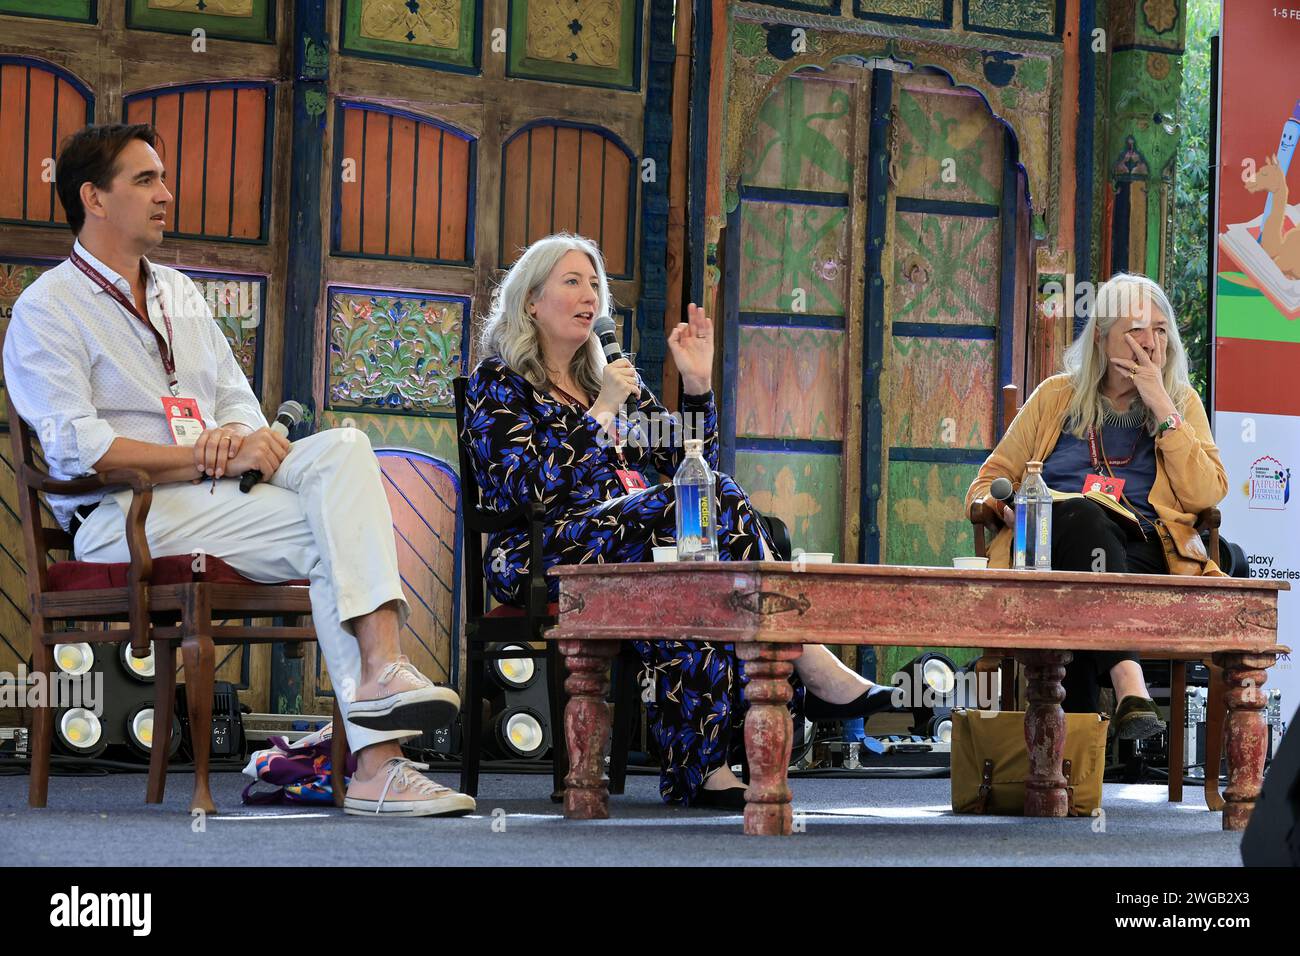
[1174, 421]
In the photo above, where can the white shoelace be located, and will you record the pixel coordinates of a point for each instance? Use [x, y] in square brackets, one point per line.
[403, 776]
[404, 667]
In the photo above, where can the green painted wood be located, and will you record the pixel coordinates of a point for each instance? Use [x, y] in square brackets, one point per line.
[804, 136]
[927, 527]
[415, 36]
[82, 11]
[787, 247]
[592, 32]
[258, 25]
[802, 490]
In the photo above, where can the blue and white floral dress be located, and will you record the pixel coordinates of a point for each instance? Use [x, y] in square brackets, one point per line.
[529, 446]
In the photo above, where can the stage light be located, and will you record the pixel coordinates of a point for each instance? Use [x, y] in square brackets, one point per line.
[939, 675]
[141, 731]
[74, 659]
[80, 732]
[513, 673]
[141, 668]
[931, 681]
[940, 728]
[521, 733]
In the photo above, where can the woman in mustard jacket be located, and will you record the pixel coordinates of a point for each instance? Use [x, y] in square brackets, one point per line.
[1123, 407]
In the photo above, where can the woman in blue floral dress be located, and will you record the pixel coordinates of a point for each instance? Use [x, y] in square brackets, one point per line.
[542, 420]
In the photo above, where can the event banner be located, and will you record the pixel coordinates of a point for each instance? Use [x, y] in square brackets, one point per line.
[1256, 286]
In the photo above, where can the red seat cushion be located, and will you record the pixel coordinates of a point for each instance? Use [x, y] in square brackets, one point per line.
[173, 569]
[508, 610]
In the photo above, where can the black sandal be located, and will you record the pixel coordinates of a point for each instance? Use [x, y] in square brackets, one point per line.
[732, 798]
[876, 698]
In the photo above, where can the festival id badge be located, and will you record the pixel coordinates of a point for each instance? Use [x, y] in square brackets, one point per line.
[1114, 487]
[629, 479]
[183, 419]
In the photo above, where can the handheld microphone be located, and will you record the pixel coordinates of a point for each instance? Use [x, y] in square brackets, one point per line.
[286, 417]
[1001, 491]
[606, 331]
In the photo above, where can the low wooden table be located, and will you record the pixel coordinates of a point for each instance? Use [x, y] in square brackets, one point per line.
[767, 610]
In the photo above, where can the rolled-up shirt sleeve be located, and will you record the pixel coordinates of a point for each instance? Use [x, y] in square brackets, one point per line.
[47, 374]
[235, 399]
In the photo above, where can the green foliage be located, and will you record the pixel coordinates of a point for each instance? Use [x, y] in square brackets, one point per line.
[1188, 280]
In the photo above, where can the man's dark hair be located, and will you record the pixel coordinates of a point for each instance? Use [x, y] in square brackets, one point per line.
[90, 156]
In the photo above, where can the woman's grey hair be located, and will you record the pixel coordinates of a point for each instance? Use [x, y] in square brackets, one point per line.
[510, 333]
[1121, 296]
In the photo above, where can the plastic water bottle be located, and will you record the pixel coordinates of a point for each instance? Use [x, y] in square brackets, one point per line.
[697, 527]
[1033, 522]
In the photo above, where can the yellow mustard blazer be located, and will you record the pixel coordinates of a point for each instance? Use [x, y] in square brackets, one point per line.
[1189, 473]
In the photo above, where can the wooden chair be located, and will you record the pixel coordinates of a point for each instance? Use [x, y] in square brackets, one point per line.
[164, 600]
[985, 518]
[521, 627]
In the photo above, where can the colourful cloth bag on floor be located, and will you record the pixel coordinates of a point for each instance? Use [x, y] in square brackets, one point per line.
[299, 772]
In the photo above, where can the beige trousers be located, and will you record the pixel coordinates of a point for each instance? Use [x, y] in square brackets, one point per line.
[322, 516]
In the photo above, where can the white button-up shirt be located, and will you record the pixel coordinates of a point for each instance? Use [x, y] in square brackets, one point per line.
[82, 371]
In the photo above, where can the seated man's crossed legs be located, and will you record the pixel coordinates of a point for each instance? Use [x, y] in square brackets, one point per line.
[323, 515]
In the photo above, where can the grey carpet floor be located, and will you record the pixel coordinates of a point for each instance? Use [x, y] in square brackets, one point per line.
[98, 821]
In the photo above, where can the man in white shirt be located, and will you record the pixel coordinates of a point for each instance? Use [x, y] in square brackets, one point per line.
[101, 380]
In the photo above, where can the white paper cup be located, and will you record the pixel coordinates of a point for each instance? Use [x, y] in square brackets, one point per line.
[814, 557]
[971, 564]
[666, 554]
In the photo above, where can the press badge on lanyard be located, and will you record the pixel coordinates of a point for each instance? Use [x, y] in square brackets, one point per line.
[183, 418]
[629, 479]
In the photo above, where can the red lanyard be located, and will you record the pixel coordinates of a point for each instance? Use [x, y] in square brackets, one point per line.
[1113, 462]
[164, 345]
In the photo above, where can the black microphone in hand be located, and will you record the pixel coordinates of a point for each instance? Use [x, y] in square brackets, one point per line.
[288, 415]
[607, 332]
[1001, 491]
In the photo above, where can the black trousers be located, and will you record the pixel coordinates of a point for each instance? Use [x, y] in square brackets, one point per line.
[1084, 538]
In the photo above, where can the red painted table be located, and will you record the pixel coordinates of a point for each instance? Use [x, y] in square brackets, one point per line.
[769, 609]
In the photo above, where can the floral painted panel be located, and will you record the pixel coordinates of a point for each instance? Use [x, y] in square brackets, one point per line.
[237, 304]
[394, 351]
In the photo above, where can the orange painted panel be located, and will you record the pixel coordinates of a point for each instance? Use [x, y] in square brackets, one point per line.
[189, 189]
[137, 111]
[165, 111]
[514, 176]
[40, 147]
[591, 162]
[350, 185]
[428, 198]
[613, 233]
[455, 197]
[790, 383]
[250, 155]
[13, 123]
[567, 141]
[72, 116]
[401, 187]
[217, 202]
[374, 184]
[422, 498]
[541, 181]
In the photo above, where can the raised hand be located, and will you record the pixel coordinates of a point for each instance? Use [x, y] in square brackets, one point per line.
[1147, 375]
[691, 343]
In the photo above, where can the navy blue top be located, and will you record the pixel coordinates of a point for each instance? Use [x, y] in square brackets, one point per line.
[1069, 463]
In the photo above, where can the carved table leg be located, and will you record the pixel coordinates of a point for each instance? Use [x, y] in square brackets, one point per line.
[586, 728]
[769, 734]
[1045, 793]
[1244, 676]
